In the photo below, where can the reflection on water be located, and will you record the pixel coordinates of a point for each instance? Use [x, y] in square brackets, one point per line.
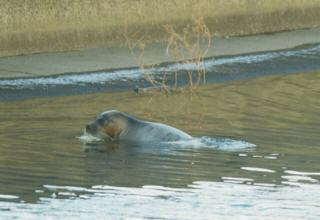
[201, 200]
[279, 114]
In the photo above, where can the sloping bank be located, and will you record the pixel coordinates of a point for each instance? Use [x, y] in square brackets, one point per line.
[34, 26]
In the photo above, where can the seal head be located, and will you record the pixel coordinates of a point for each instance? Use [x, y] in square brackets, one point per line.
[109, 125]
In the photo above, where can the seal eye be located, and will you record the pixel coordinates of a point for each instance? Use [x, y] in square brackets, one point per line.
[101, 121]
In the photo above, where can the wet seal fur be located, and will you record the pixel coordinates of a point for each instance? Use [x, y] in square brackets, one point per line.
[116, 126]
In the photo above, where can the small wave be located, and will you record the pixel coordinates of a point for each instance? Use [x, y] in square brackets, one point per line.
[293, 172]
[73, 79]
[225, 144]
[297, 178]
[248, 59]
[2, 196]
[137, 74]
[257, 169]
[202, 142]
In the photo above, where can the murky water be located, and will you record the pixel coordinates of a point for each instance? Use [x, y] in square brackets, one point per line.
[44, 165]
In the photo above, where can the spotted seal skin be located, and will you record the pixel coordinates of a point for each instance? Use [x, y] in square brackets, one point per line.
[116, 126]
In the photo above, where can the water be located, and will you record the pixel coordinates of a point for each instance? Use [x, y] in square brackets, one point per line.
[256, 154]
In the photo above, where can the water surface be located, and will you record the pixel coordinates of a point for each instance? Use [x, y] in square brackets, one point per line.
[44, 165]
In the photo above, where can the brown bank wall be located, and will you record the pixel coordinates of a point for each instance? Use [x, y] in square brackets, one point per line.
[33, 26]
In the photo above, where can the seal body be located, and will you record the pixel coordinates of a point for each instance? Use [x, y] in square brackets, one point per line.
[118, 126]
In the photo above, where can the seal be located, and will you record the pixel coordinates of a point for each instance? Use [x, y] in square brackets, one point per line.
[116, 126]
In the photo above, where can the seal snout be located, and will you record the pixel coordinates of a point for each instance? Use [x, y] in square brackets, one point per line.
[91, 127]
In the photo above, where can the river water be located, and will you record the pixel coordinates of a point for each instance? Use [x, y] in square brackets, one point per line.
[256, 153]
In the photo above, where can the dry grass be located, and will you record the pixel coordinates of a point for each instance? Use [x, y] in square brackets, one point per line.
[191, 46]
[136, 43]
[188, 46]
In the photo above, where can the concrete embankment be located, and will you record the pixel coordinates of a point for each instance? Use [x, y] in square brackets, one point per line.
[88, 60]
[34, 26]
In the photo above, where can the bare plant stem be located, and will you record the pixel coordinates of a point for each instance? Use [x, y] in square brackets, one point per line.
[189, 46]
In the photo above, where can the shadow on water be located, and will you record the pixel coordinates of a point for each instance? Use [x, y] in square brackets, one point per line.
[279, 114]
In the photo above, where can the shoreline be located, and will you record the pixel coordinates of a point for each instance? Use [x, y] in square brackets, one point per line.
[301, 59]
[93, 60]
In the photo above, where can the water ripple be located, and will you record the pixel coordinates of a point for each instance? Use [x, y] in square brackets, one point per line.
[158, 202]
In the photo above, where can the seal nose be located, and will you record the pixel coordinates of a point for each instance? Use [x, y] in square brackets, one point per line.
[91, 127]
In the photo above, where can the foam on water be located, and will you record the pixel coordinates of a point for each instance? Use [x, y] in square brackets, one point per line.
[135, 74]
[225, 144]
[87, 138]
[74, 79]
[253, 58]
